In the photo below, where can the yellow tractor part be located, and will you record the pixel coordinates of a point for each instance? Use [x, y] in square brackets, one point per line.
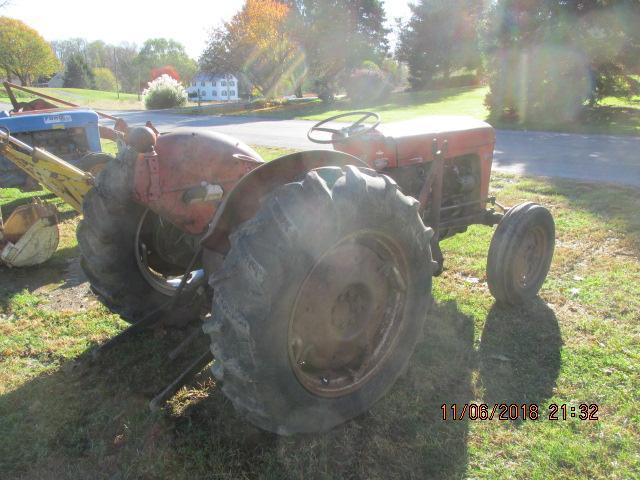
[63, 179]
[30, 235]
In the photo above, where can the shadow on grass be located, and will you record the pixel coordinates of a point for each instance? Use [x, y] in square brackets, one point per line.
[519, 355]
[614, 205]
[90, 420]
[600, 119]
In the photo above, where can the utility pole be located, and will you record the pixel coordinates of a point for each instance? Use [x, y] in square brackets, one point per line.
[115, 67]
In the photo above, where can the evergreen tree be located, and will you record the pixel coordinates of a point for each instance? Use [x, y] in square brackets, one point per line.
[548, 58]
[440, 37]
[78, 74]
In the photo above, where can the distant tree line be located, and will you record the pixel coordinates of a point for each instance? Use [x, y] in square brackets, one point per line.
[125, 66]
[543, 59]
[27, 57]
[283, 46]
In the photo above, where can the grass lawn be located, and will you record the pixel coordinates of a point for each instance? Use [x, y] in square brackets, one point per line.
[62, 416]
[613, 116]
[85, 98]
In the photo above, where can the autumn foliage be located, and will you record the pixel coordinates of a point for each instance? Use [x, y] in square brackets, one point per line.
[23, 52]
[166, 70]
[256, 43]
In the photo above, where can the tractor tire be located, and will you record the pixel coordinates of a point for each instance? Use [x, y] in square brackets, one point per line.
[520, 253]
[107, 238]
[93, 162]
[321, 300]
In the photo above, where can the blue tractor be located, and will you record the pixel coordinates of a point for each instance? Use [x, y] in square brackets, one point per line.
[70, 134]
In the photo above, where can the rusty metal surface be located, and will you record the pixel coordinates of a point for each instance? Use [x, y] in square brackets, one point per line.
[529, 264]
[347, 314]
[243, 201]
[408, 143]
[185, 160]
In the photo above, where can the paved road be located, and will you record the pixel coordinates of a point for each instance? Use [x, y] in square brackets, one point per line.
[601, 158]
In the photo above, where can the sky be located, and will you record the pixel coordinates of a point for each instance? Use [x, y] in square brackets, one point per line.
[134, 21]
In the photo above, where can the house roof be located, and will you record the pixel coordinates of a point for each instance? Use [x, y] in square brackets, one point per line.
[208, 77]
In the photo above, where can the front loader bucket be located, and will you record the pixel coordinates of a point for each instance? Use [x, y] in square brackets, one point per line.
[30, 235]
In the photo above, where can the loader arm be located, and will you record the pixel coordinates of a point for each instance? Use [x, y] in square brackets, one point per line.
[63, 179]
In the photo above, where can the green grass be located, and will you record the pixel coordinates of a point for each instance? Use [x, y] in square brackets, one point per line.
[613, 116]
[63, 416]
[83, 97]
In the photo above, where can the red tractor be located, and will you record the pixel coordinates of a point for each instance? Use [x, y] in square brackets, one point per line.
[312, 272]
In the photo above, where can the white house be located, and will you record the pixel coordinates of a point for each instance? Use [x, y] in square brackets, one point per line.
[213, 87]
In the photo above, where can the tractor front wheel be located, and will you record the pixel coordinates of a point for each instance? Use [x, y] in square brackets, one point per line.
[520, 253]
[320, 300]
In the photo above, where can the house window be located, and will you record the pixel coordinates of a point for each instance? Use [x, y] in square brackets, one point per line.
[224, 93]
[203, 93]
[213, 83]
[232, 83]
[214, 93]
[232, 93]
[202, 84]
[194, 84]
[224, 84]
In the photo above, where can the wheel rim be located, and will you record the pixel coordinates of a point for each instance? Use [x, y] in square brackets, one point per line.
[531, 255]
[163, 280]
[348, 314]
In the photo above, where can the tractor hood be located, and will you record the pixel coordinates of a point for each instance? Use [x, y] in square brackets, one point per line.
[467, 130]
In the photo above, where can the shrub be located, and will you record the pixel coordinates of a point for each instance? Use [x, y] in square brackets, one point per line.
[367, 85]
[105, 80]
[164, 92]
[325, 89]
[540, 84]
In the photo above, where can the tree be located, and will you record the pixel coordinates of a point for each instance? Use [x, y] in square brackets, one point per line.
[256, 45]
[123, 61]
[160, 52]
[166, 70]
[547, 58]
[23, 52]
[440, 37]
[337, 36]
[98, 54]
[65, 49]
[78, 74]
[104, 79]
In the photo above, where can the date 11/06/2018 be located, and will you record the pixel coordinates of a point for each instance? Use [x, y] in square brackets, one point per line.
[518, 411]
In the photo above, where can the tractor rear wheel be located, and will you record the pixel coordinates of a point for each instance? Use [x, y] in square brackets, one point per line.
[121, 245]
[320, 300]
[520, 253]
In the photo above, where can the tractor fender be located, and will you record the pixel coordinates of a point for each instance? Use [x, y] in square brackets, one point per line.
[243, 201]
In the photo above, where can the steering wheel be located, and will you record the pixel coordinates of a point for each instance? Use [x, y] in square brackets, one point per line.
[347, 133]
